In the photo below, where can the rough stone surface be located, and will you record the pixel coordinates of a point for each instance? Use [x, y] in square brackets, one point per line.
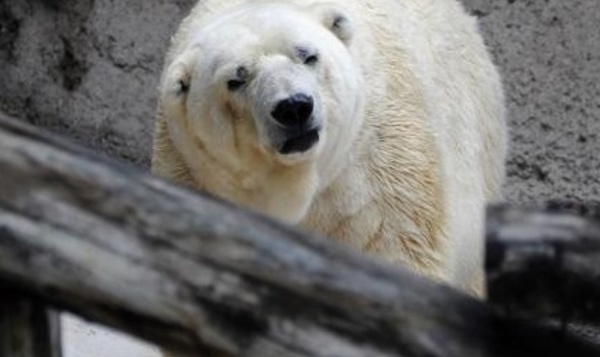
[89, 70]
[549, 55]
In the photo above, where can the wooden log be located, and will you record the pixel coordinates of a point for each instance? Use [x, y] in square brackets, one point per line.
[27, 328]
[545, 263]
[206, 278]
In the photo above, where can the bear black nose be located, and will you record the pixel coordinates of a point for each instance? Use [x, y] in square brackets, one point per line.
[294, 111]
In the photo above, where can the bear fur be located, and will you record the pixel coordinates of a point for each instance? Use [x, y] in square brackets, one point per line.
[406, 138]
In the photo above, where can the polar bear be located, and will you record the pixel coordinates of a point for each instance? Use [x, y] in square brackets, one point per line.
[378, 123]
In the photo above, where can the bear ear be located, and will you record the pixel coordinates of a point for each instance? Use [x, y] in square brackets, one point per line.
[178, 76]
[336, 20]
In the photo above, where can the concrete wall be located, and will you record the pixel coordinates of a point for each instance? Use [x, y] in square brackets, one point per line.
[89, 70]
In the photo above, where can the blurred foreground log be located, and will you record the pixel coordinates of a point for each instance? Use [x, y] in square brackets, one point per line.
[200, 276]
[545, 263]
[27, 328]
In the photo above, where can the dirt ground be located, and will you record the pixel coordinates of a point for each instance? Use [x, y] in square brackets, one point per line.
[89, 69]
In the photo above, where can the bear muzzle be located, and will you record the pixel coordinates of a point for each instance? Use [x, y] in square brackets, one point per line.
[300, 143]
[294, 111]
[296, 124]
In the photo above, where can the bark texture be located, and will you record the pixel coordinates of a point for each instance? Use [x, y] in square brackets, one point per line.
[204, 277]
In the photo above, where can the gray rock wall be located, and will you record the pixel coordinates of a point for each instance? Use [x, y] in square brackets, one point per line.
[89, 70]
[549, 55]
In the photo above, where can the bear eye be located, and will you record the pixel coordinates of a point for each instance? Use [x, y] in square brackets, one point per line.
[235, 84]
[307, 55]
[183, 87]
[242, 75]
[311, 60]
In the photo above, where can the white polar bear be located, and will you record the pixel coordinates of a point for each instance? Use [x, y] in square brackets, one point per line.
[379, 123]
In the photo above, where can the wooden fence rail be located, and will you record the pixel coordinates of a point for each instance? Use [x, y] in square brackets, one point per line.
[200, 276]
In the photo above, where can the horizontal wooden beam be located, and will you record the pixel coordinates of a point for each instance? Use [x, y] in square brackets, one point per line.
[205, 277]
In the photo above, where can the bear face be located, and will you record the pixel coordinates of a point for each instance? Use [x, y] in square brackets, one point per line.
[268, 79]
[269, 93]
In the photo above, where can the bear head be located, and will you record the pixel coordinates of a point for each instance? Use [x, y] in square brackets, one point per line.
[277, 71]
[265, 84]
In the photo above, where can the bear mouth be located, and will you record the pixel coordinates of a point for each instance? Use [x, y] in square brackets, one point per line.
[300, 143]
